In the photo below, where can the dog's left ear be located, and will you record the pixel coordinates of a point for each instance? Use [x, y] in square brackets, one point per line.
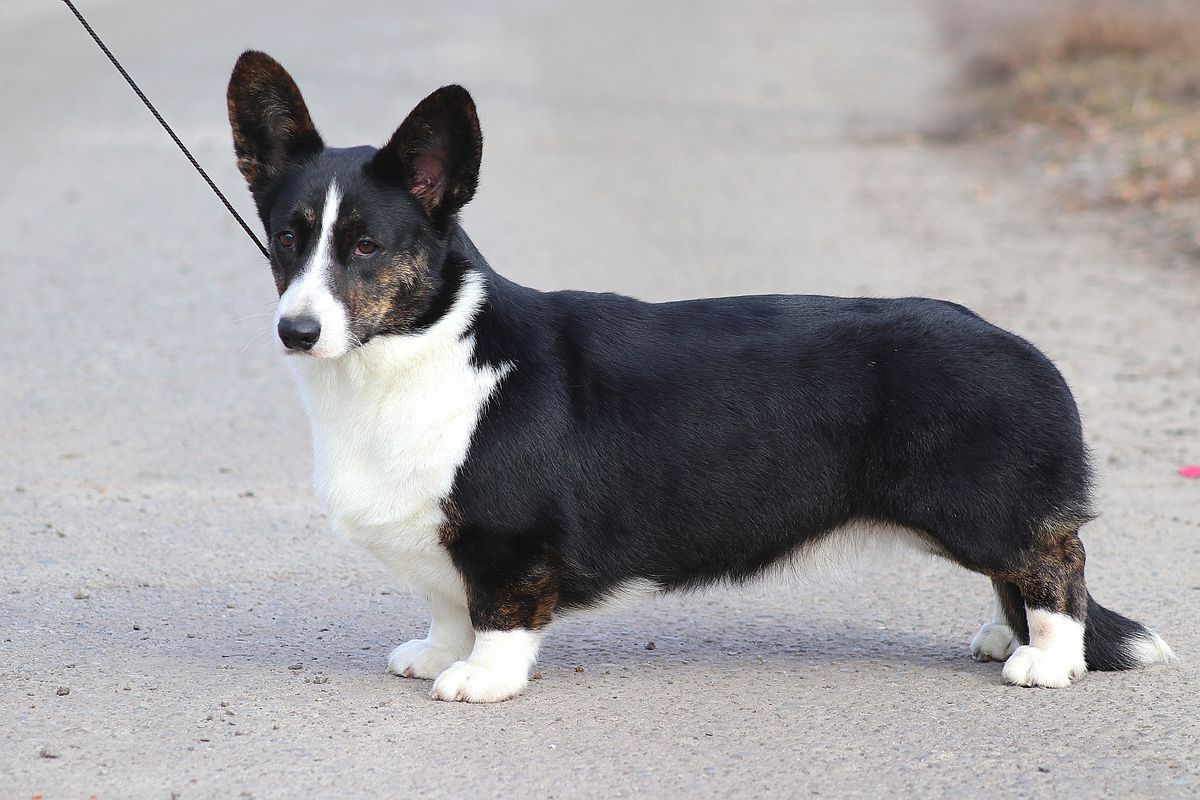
[435, 152]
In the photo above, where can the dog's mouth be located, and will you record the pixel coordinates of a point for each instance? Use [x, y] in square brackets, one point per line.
[317, 354]
[320, 353]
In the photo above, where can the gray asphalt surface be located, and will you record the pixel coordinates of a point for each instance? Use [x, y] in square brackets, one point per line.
[154, 456]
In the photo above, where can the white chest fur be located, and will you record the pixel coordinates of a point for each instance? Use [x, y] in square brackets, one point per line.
[392, 423]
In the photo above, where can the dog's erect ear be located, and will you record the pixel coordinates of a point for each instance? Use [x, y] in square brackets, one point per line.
[271, 125]
[435, 152]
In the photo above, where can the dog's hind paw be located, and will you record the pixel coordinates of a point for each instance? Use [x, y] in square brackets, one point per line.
[994, 642]
[1031, 666]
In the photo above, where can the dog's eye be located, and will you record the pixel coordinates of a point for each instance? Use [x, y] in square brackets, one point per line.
[286, 239]
[364, 247]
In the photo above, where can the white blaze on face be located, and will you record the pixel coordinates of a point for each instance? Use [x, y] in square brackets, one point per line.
[310, 293]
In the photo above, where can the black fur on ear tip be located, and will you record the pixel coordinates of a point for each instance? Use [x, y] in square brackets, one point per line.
[250, 57]
[254, 67]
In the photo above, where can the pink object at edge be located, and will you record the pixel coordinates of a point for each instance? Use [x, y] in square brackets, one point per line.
[1190, 471]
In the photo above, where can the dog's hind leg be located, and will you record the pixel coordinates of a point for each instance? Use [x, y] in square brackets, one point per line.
[997, 639]
[1046, 624]
[1069, 632]
[1051, 585]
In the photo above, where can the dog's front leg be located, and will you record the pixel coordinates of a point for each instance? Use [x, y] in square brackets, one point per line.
[450, 638]
[509, 617]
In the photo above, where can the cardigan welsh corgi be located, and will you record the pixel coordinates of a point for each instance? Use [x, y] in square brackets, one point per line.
[516, 455]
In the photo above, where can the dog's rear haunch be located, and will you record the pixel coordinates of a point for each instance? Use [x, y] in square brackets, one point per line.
[516, 455]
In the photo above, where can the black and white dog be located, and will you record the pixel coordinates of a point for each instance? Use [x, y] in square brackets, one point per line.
[516, 454]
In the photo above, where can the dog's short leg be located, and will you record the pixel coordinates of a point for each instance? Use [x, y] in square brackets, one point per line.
[512, 588]
[997, 640]
[509, 617]
[450, 638]
[1056, 602]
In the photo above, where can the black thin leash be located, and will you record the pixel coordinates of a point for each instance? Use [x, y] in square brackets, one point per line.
[167, 128]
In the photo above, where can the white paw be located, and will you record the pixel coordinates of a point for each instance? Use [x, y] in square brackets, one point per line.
[1029, 666]
[994, 642]
[420, 659]
[468, 682]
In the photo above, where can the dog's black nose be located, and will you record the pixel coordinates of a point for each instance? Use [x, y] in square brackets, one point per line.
[299, 333]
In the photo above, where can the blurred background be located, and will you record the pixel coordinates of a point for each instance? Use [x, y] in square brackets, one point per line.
[168, 567]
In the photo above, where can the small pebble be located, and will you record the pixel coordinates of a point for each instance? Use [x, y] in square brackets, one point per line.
[650, 646]
[297, 665]
[579, 669]
[63, 691]
[48, 752]
[537, 676]
[320, 679]
[82, 593]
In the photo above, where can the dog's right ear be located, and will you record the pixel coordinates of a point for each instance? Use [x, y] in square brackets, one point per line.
[271, 125]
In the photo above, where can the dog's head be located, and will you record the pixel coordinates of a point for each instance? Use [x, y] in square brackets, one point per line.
[357, 236]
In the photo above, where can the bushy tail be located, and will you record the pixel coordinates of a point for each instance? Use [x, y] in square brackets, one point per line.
[1111, 641]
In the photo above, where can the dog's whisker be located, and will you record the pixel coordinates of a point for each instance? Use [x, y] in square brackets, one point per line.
[252, 316]
[253, 339]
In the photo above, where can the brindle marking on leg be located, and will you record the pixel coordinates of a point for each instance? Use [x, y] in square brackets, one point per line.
[1009, 596]
[448, 534]
[528, 603]
[1050, 574]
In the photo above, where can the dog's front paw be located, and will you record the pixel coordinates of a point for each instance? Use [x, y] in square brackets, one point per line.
[420, 659]
[1031, 666]
[471, 683]
[994, 642]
